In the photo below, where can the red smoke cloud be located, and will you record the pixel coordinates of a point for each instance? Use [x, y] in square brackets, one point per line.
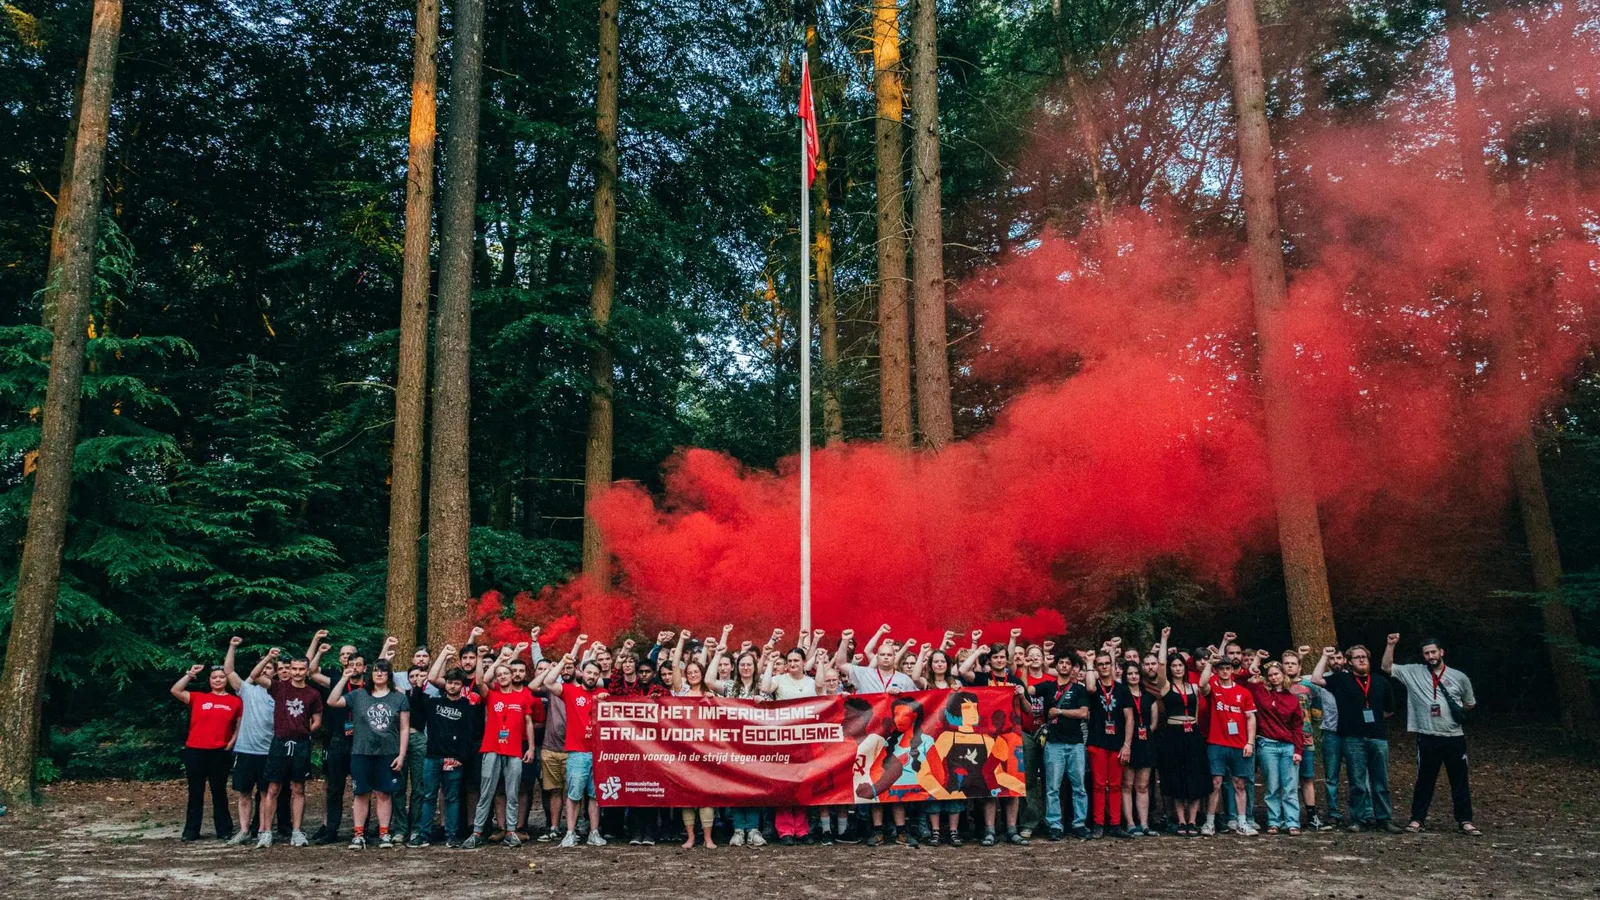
[1136, 431]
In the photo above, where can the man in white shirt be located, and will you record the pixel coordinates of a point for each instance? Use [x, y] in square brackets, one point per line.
[1437, 696]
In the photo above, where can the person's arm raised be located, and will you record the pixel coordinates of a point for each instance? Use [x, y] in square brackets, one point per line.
[336, 695]
[228, 662]
[872, 643]
[1319, 674]
[180, 688]
[921, 664]
[1388, 654]
[314, 663]
[1011, 643]
[261, 664]
[1163, 680]
[841, 657]
[316, 639]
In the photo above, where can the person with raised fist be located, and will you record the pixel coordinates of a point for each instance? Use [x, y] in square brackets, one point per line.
[1438, 699]
[213, 725]
[1364, 700]
[380, 717]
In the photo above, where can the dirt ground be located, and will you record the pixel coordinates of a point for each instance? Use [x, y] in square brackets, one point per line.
[1540, 812]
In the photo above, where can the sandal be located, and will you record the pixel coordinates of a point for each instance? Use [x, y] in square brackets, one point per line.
[1272, 830]
[1294, 832]
[1469, 828]
[1414, 828]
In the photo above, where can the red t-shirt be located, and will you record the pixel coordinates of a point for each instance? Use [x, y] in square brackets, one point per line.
[1228, 708]
[505, 714]
[580, 716]
[211, 719]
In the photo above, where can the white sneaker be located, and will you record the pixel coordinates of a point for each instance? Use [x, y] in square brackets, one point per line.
[1248, 829]
[737, 840]
[595, 840]
[755, 839]
[1209, 829]
[571, 840]
[264, 841]
[240, 838]
[298, 839]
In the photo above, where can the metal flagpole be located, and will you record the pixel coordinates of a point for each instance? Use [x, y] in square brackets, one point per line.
[805, 384]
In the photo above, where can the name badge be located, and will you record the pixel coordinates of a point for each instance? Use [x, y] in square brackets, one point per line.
[1144, 733]
[450, 765]
[1368, 716]
[349, 727]
[1435, 711]
[504, 735]
[1233, 728]
[1188, 727]
[1111, 728]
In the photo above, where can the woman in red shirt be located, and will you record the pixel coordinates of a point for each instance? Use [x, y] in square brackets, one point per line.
[1280, 726]
[208, 752]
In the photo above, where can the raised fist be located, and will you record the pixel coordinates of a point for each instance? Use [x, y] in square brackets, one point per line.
[1229, 636]
[1016, 633]
[847, 635]
[391, 641]
[522, 648]
[323, 648]
[235, 641]
[663, 636]
[1327, 652]
[1166, 632]
[1394, 639]
[274, 653]
[977, 635]
[477, 631]
[195, 670]
[321, 634]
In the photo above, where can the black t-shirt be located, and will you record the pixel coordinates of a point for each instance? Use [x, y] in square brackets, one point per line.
[448, 724]
[1106, 709]
[1061, 729]
[336, 724]
[1359, 699]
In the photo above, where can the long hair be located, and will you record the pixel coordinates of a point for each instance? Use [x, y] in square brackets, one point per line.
[913, 740]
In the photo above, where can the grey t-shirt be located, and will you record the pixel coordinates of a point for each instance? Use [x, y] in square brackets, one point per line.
[1322, 698]
[872, 681]
[255, 723]
[1422, 703]
[555, 723]
[376, 721]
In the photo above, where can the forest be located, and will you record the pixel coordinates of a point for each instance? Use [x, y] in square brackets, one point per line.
[390, 315]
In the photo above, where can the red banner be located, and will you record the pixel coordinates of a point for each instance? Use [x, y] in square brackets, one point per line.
[871, 748]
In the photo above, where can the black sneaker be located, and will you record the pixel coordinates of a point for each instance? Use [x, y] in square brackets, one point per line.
[955, 839]
[827, 838]
[906, 839]
[876, 840]
[1082, 833]
[452, 844]
[1055, 834]
[1120, 832]
[988, 839]
[323, 839]
[932, 839]
[786, 840]
[1096, 833]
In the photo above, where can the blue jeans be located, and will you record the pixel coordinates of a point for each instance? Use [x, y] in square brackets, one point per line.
[1368, 762]
[1068, 760]
[745, 817]
[433, 777]
[1283, 782]
[1332, 760]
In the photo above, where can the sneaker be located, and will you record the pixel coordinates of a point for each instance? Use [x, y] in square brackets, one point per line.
[784, 840]
[754, 838]
[827, 838]
[298, 839]
[1120, 832]
[1209, 829]
[476, 842]
[264, 841]
[547, 836]
[1096, 833]
[876, 840]
[1027, 833]
[988, 839]
[737, 840]
[359, 842]
[385, 842]
[1019, 838]
[240, 838]
[595, 840]
[1081, 833]
[907, 838]
[417, 842]
[1248, 829]
[512, 842]
[932, 840]
[1055, 834]
[1391, 827]
[1316, 823]
[635, 842]
[452, 844]
[1355, 828]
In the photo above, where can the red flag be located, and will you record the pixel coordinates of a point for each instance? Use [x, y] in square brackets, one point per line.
[808, 122]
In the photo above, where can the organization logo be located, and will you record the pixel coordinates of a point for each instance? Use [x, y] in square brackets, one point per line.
[611, 788]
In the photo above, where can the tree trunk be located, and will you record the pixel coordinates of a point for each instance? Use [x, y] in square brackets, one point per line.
[1082, 114]
[1293, 483]
[927, 241]
[1527, 477]
[822, 249]
[411, 381]
[39, 572]
[597, 453]
[63, 201]
[449, 499]
[894, 337]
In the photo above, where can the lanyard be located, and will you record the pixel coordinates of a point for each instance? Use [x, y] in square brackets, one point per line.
[1138, 708]
[1184, 697]
[883, 683]
[1366, 687]
[1108, 700]
[1438, 680]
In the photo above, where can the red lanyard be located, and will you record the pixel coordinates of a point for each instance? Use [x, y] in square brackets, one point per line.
[1366, 687]
[1437, 680]
[1138, 708]
[1108, 700]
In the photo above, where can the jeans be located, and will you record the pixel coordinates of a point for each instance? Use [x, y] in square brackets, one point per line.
[1032, 812]
[1068, 760]
[1451, 753]
[1282, 776]
[336, 768]
[746, 818]
[495, 769]
[209, 769]
[433, 778]
[1105, 771]
[1332, 760]
[1368, 761]
[404, 818]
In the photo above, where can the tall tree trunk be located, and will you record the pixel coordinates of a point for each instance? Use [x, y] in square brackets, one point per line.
[449, 498]
[894, 335]
[33, 615]
[1083, 115]
[63, 201]
[927, 241]
[822, 250]
[411, 379]
[1305, 573]
[1527, 477]
[597, 453]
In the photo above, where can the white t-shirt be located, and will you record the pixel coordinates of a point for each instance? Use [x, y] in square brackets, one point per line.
[1420, 699]
[872, 681]
[787, 687]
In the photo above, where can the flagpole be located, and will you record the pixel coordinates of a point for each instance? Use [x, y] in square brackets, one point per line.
[805, 386]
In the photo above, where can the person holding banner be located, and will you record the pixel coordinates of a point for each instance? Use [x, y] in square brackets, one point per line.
[884, 678]
[689, 680]
[579, 700]
[791, 684]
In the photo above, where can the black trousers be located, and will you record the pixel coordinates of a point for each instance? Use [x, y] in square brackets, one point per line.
[336, 769]
[1432, 753]
[207, 769]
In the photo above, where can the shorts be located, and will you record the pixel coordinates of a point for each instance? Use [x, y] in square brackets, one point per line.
[950, 807]
[1227, 761]
[1308, 769]
[370, 772]
[553, 770]
[288, 762]
[249, 772]
[580, 776]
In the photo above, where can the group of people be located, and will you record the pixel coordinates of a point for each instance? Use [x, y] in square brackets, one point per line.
[464, 745]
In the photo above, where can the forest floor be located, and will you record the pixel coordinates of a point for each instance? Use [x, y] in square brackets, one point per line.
[1539, 810]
